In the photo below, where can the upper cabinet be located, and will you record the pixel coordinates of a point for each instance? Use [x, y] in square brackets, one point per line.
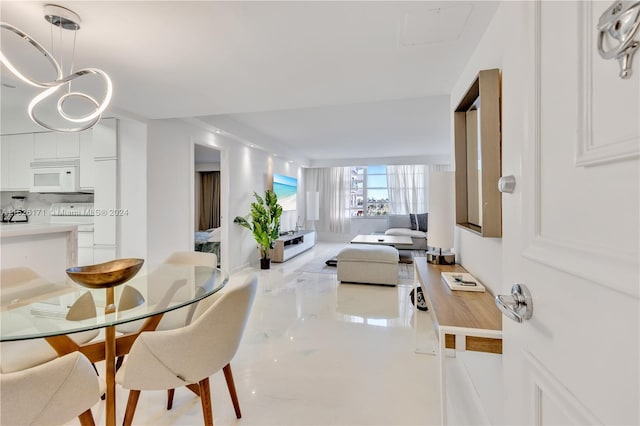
[99, 143]
[87, 180]
[477, 128]
[54, 145]
[17, 153]
[105, 139]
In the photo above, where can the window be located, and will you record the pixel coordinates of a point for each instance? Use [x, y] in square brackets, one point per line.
[369, 191]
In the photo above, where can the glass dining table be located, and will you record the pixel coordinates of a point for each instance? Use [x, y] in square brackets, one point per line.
[37, 309]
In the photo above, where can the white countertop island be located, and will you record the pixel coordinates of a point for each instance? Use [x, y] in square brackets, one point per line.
[22, 229]
[45, 248]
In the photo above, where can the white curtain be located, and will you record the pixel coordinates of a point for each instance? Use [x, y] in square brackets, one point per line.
[334, 185]
[406, 185]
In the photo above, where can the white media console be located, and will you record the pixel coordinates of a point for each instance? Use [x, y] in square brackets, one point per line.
[290, 245]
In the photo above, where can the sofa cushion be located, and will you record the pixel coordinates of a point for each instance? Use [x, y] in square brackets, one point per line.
[369, 253]
[418, 221]
[398, 221]
[405, 232]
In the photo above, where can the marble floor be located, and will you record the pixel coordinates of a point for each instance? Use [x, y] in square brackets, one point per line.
[316, 352]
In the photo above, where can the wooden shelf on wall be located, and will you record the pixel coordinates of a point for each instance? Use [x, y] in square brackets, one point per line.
[477, 129]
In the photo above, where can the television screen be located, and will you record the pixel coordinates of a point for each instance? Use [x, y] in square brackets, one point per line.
[286, 188]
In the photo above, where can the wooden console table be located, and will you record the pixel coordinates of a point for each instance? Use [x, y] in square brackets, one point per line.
[463, 320]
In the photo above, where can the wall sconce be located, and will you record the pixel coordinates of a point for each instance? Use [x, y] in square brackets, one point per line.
[617, 28]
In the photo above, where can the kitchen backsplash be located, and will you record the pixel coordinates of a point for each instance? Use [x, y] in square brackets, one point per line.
[37, 205]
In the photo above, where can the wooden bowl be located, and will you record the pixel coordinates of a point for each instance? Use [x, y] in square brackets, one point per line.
[104, 275]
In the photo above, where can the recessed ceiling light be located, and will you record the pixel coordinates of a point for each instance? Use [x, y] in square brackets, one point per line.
[218, 131]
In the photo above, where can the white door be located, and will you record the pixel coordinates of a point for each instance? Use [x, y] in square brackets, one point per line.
[572, 227]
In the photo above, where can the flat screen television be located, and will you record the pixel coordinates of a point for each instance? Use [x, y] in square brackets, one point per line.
[286, 188]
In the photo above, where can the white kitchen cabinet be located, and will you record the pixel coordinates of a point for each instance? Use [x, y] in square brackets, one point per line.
[105, 139]
[17, 154]
[103, 254]
[68, 145]
[45, 146]
[99, 150]
[87, 172]
[85, 248]
[53, 146]
[4, 161]
[85, 256]
[105, 202]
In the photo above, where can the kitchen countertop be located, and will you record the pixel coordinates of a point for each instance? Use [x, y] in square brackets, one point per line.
[23, 229]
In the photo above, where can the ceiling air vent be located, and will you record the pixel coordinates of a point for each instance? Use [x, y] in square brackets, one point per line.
[434, 25]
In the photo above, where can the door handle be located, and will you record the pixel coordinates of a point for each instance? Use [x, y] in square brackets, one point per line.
[617, 28]
[518, 305]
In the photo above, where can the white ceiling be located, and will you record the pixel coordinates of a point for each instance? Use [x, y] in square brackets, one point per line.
[313, 80]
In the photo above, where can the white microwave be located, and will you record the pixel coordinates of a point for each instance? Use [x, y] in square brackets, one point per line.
[54, 176]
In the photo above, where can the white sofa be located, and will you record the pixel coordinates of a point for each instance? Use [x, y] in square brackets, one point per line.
[400, 225]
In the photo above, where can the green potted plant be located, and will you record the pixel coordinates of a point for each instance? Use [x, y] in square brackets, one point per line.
[264, 224]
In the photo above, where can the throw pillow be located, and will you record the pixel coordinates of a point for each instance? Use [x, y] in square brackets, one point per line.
[423, 221]
[419, 221]
[414, 221]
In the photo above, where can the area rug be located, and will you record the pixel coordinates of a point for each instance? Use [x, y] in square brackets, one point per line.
[317, 265]
[406, 256]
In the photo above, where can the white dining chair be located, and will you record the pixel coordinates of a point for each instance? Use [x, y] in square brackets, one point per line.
[22, 354]
[51, 393]
[193, 258]
[187, 356]
[179, 317]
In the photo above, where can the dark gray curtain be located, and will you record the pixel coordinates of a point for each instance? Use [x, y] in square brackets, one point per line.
[209, 200]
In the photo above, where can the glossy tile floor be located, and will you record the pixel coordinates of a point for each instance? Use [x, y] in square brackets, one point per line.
[317, 352]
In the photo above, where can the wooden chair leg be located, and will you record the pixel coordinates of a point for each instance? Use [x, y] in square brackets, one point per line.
[104, 395]
[205, 400]
[228, 376]
[119, 362]
[170, 393]
[194, 388]
[86, 418]
[131, 407]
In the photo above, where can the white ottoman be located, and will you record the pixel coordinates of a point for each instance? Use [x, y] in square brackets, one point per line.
[368, 264]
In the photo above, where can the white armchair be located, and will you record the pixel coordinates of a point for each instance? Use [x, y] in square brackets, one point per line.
[50, 393]
[187, 356]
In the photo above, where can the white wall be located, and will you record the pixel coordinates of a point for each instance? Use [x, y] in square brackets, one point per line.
[500, 47]
[169, 176]
[207, 167]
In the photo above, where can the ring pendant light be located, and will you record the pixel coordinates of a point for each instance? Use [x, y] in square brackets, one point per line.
[66, 19]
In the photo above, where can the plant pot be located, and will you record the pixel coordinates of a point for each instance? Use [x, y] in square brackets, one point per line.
[265, 263]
